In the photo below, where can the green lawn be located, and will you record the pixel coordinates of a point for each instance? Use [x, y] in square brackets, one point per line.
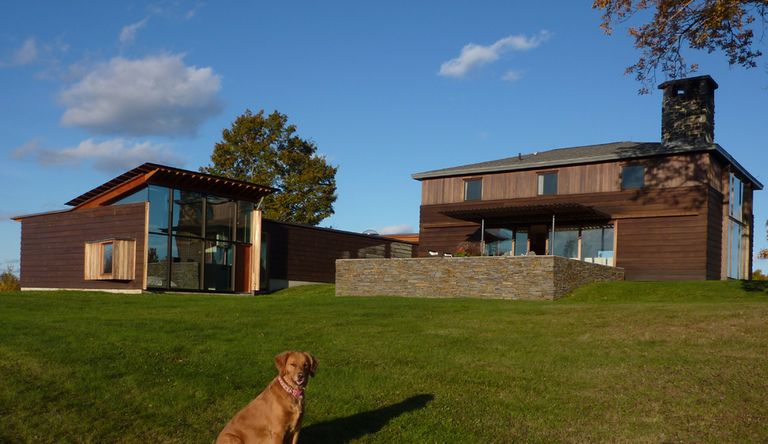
[618, 362]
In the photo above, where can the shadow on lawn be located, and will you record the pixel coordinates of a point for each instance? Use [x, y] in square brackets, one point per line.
[755, 286]
[341, 430]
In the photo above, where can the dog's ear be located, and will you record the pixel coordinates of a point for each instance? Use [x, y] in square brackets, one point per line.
[312, 364]
[281, 359]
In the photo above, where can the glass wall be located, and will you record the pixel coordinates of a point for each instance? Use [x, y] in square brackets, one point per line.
[521, 242]
[588, 243]
[498, 241]
[192, 237]
[506, 241]
[187, 213]
[566, 242]
[157, 261]
[597, 245]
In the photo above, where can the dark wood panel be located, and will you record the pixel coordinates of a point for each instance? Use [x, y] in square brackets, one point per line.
[301, 253]
[52, 246]
[714, 234]
[676, 249]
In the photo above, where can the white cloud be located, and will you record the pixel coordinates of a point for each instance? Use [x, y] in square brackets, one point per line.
[109, 155]
[128, 33]
[512, 76]
[28, 53]
[156, 95]
[473, 55]
[396, 229]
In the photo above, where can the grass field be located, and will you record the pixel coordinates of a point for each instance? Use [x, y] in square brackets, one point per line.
[619, 362]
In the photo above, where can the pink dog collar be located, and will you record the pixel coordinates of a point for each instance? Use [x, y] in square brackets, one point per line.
[297, 393]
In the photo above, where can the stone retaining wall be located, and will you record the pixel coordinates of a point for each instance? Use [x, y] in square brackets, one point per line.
[497, 277]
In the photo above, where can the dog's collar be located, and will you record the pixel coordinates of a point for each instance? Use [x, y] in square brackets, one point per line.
[297, 393]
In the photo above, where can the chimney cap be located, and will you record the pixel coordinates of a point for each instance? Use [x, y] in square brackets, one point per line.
[688, 80]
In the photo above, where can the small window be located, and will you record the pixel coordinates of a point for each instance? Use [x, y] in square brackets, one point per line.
[632, 177]
[106, 258]
[111, 259]
[547, 184]
[473, 189]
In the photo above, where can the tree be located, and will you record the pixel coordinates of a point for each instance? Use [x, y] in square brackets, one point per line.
[9, 281]
[711, 25]
[265, 150]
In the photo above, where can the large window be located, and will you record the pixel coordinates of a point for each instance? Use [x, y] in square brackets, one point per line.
[219, 218]
[187, 213]
[547, 184]
[521, 242]
[632, 177]
[157, 260]
[192, 238]
[244, 214]
[736, 247]
[736, 198]
[473, 189]
[186, 266]
[738, 244]
[498, 241]
[159, 201]
[566, 242]
[597, 245]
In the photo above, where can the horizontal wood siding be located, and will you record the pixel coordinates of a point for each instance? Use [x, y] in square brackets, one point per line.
[298, 253]
[53, 245]
[663, 248]
[667, 172]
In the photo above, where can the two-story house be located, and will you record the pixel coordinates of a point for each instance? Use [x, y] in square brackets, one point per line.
[678, 209]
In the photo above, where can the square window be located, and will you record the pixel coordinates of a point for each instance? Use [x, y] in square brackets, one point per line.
[547, 184]
[632, 177]
[473, 189]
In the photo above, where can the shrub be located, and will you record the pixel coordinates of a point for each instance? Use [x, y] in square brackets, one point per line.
[9, 281]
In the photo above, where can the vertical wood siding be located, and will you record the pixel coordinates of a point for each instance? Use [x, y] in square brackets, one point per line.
[668, 172]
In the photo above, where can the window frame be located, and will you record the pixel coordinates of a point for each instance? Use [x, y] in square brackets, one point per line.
[473, 180]
[541, 182]
[622, 177]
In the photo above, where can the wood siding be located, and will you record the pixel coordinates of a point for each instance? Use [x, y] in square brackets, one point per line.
[52, 245]
[123, 260]
[299, 253]
[668, 172]
[663, 248]
[673, 221]
[715, 203]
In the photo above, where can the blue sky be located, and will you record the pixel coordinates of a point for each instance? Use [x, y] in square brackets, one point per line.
[385, 89]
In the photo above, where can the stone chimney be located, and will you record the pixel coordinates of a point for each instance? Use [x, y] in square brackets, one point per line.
[688, 111]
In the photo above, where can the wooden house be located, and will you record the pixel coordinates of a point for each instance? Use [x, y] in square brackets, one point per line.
[677, 209]
[157, 227]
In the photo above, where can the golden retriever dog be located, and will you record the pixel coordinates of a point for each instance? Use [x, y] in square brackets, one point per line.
[275, 415]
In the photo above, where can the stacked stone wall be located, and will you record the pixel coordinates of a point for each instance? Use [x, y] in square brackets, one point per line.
[498, 277]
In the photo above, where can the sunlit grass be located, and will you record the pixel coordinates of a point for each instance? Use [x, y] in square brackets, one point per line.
[619, 362]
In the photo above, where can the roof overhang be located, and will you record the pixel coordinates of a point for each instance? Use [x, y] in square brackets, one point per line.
[150, 173]
[536, 213]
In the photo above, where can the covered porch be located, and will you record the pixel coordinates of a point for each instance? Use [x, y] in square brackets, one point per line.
[569, 230]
